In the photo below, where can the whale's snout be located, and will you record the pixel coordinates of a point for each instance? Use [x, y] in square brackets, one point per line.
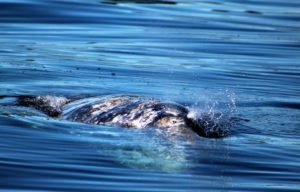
[209, 125]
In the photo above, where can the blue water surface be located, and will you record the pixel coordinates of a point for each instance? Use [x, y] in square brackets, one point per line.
[239, 57]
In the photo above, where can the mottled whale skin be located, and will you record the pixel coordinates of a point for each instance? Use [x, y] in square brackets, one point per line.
[125, 111]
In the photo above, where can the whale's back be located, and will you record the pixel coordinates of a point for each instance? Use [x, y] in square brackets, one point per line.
[126, 111]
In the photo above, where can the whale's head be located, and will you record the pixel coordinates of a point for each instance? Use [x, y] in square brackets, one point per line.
[209, 125]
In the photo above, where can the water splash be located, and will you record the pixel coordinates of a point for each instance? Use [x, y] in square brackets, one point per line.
[216, 116]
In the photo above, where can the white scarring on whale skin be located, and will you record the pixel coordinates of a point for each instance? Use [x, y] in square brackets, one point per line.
[125, 111]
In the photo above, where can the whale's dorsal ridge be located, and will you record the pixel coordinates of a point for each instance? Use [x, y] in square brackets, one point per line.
[128, 111]
[51, 105]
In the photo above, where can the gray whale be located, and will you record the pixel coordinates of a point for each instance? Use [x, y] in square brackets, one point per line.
[126, 111]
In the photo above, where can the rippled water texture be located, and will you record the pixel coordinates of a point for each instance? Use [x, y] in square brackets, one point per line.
[241, 57]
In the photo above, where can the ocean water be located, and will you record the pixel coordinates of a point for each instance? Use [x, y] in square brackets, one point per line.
[238, 57]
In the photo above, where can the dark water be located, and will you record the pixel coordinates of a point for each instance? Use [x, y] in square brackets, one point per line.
[241, 57]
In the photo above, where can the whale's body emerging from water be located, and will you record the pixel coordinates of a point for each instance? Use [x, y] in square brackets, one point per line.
[125, 111]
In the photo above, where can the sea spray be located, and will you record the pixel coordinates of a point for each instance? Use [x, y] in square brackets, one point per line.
[215, 115]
